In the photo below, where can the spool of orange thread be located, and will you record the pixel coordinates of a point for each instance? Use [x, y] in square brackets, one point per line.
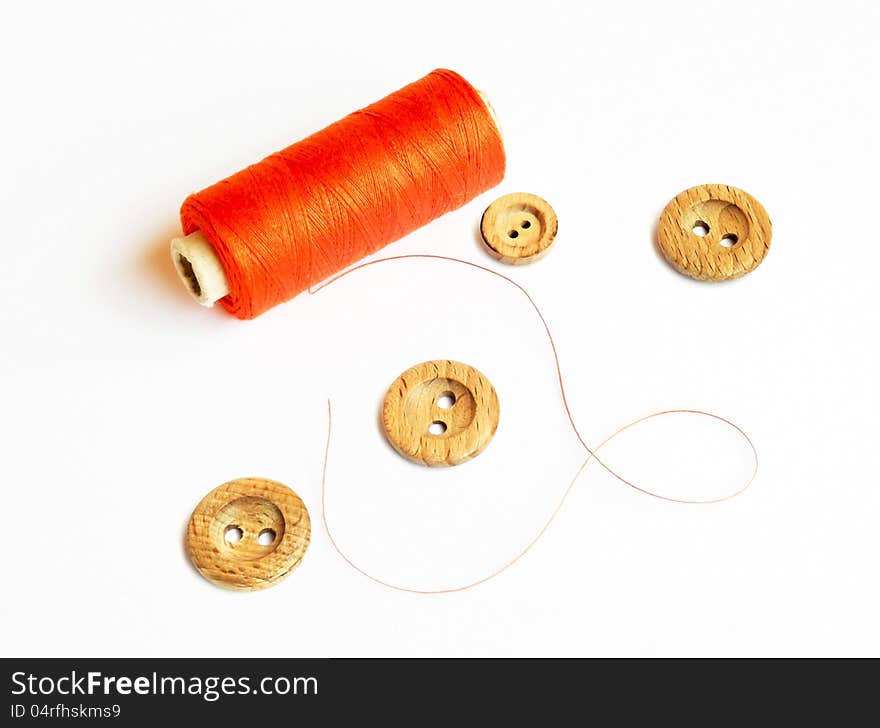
[269, 232]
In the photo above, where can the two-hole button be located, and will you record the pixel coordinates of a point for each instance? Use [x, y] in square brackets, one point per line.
[248, 534]
[440, 413]
[519, 228]
[714, 232]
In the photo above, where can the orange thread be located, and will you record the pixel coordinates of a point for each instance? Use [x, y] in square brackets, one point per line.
[312, 209]
[591, 452]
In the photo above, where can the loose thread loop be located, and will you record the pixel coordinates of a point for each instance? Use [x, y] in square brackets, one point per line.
[591, 452]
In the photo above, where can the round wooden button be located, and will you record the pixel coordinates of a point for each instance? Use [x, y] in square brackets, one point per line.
[519, 228]
[714, 232]
[440, 413]
[248, 534]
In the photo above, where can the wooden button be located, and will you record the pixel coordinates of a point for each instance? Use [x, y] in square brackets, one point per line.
[248, 534]
[714, 232]
[519, 228]
[440, 413]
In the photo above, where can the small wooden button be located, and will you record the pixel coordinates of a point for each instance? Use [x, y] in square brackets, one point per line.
[714, 232]
[440, 413]
[519, 228]
[248, 534]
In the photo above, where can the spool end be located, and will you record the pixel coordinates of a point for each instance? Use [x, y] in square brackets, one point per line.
[491, 109]
[199, 267]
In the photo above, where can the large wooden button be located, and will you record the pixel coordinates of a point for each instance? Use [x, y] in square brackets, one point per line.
[519, 228]
[440, 413]
[714, 232]
[248, 534]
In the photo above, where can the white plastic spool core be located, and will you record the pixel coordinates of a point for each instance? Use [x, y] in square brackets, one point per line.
[199, 267]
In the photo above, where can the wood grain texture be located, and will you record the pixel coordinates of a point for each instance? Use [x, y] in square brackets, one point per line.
[736, 226]
[252, 506]
[416, 403]
[519, 228]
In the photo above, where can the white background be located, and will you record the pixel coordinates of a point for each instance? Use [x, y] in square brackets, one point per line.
[123, 402]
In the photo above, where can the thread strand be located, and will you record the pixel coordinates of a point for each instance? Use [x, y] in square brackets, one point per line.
[591, 452]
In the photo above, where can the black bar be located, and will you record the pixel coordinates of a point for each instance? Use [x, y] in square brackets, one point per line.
[414, 691]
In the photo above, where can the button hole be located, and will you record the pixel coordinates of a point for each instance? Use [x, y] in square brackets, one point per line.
[700, 229]
[266, 537]
[437, 428]
[729, 240]
[233, 534]
[513, 234]
[446, 400]
[525, 225]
